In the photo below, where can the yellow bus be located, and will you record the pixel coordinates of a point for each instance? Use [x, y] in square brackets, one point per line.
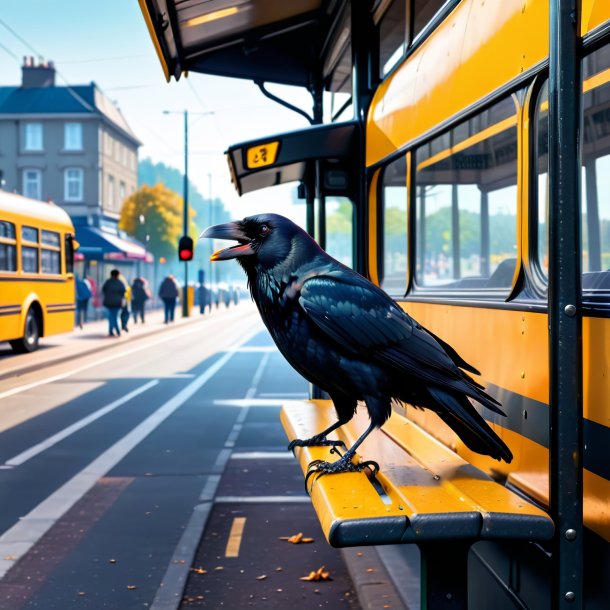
[36, 271]
[454, 173]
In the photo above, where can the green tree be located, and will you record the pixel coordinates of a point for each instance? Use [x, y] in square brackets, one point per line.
[153, 215]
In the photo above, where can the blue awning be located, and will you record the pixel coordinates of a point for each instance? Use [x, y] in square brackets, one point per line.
[97, 244]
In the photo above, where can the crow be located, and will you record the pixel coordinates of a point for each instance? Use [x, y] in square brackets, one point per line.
[347, 336]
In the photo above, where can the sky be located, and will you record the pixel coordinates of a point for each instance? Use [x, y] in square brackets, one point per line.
[108, 43]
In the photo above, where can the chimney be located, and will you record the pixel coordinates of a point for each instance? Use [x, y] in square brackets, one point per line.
[35, 76]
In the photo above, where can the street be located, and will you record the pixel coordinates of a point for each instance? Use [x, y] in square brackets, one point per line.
[114, 465]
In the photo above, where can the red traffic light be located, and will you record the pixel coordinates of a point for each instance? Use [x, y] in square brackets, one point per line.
[185, 248]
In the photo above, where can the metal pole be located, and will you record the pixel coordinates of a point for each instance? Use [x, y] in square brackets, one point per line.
[565, 310]
[185, 220]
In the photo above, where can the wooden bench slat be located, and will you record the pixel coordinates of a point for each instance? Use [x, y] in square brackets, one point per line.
[431, 493]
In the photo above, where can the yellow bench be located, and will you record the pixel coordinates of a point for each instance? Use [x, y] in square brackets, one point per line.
[425, 494]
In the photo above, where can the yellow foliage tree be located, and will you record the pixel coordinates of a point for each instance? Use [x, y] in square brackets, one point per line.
[153, 215]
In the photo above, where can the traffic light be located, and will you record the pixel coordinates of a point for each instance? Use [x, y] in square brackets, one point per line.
[185, 248]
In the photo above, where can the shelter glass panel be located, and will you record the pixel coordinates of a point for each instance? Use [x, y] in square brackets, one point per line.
[394, 222]
[339, 229]
[466, 208]
[393, 36]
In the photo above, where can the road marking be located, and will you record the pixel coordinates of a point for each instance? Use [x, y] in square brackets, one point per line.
[28, 454]
[262, 499]
[263, 455]
[301, 395]
[254, 348]
[249, 402]
[235, 536]
[22, 536]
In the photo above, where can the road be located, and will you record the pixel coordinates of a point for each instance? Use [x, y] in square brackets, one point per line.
[153, 474]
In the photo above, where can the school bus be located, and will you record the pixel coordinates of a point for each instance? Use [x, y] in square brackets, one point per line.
[36, 271]
[478, 162]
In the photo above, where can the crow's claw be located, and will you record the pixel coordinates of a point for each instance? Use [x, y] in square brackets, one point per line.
[319, 468]
[315, 441]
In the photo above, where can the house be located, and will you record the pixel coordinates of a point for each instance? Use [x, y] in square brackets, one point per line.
[71, 144]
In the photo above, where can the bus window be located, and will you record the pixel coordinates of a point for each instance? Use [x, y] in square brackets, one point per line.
[8, 246]
[50, 254]
[595, 173]
[69, 253]
[393, 36]
[466, 208]
[393, 215]
[339, 229]
[29, 250]
[423, 11]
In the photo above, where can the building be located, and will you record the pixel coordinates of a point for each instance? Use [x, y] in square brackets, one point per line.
[72, 145]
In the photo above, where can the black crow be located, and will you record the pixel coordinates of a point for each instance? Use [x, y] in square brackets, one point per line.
[348, 337]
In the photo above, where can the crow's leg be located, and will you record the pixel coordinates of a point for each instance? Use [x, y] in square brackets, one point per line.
[345, 408]
[318, 468]
[319, 440]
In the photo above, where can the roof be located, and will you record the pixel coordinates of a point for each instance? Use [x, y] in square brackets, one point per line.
[265, 41]
[87, 100]
[11, 203]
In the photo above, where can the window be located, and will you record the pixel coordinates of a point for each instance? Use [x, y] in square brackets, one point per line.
[339, 229]
[121, 193]
[33, 136]
[8, 246]
[595, 219]
[73, 136]
[423, 12]
[393, 217]
[392, 36]
[73, 184]
[29, 253]
[110, 201]
[32, 183]
[466, 208]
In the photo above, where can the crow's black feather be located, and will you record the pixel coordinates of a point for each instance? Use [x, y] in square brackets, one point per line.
[347, 336]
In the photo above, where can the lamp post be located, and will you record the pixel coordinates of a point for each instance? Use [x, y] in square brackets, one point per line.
[185, 195]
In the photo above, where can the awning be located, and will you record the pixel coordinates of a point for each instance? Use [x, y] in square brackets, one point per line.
[288, 156]
[97, 244]
[254, 39]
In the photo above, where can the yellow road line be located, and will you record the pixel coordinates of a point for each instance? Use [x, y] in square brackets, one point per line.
[235, 536]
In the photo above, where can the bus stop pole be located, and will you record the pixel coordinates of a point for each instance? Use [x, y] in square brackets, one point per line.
[185, 220]
[565, 307]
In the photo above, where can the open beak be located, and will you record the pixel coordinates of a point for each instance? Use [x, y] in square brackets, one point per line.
[230, 230]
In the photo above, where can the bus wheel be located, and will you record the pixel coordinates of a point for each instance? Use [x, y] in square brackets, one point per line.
[29, 342]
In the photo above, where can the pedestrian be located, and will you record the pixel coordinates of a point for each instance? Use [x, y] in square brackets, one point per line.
[114, 293]
[139, 295]
[124, 316]
[83, 294]
[168, 293]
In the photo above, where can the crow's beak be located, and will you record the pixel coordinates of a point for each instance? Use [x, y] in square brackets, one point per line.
[230, 230]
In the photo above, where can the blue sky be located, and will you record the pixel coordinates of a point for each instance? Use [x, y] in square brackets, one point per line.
[107, 42]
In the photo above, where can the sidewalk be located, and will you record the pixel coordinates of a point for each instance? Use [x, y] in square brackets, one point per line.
[93, 337]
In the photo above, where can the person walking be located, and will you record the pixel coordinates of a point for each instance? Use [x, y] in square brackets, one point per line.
[168, 293]
[139, 296]
[114, 293]
[125, 313]
[83, 294]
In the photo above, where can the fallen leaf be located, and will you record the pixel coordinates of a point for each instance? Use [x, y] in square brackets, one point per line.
[131, 587]
[261, 577]
[297, 539]
[319, 574]
[199, 571]
[279, 569]
[218, 568]
[371, 570]
[9, 558]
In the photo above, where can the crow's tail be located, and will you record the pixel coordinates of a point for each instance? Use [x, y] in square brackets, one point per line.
[465, 421]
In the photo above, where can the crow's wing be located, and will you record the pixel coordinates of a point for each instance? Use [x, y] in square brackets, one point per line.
[365, 322]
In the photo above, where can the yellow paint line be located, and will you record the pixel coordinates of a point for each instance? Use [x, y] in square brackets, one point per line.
[235, 536]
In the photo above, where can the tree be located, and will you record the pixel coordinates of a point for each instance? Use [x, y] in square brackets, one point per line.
[153, 215]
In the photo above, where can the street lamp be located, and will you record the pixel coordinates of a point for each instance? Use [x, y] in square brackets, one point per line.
[185, 220]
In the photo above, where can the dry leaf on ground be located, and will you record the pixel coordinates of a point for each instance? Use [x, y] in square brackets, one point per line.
[319, 574]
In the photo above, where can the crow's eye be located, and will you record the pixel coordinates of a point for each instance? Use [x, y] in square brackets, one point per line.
[264, 230]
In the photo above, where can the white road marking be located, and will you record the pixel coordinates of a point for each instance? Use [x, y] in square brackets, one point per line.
[302, 395]
[28, 454]
[262, 499]
[22, 536]
[249, 402]
[262, 455]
